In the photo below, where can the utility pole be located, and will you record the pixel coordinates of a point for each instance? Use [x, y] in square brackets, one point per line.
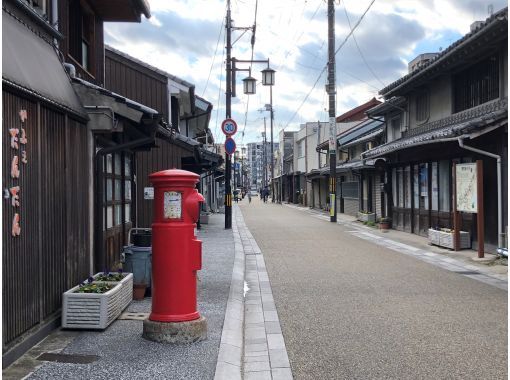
[228, 107]
[264, 144]
[332, 118]
[272, 152]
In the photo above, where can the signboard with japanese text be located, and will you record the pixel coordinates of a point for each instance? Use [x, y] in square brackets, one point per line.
[172, 205]
[466, 182]
[332, 135]
[148, 193]
[18, 142]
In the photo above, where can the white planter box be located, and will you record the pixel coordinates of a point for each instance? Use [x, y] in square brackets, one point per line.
[126, 288]
[91, 310]
[366, 217]
[445, 239]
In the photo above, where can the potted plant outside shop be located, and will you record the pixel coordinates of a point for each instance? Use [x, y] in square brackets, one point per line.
[366, 216]
[92, 305]
[384, 223]
[125, 280]
[444, 237]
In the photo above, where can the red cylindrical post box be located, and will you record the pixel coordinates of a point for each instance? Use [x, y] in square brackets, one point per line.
[176, 252]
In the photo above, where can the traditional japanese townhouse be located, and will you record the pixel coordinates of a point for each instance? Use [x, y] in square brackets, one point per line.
[48, 151]
[348, 180]
[191, 144]
[308, 138]
[283, 166]
[450, 109]
[317, 182]
[360, 180]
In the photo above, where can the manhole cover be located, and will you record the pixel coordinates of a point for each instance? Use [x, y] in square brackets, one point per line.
[133, 316]
[68, 358]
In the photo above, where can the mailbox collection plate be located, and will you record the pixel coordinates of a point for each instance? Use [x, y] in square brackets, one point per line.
[172, 205]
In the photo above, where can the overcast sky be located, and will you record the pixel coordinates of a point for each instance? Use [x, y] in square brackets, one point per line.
[182, 38]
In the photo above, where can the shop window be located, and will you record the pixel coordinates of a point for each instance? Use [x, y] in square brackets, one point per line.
[424, 186]
[118, 182]
[407, 187]
[444, 185]
[477, 85]
[416, 186]
[394, 190]
[400, 187]
[81, 34]
[435, 187]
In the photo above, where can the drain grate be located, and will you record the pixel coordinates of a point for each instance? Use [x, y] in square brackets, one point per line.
[467, 272]
[133, 316]
[68, 358]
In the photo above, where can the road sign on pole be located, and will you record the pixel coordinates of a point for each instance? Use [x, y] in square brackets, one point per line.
[230, 145]
[229, 127]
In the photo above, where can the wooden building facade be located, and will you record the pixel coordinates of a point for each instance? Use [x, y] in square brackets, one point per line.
[48, 150]
[450, 110]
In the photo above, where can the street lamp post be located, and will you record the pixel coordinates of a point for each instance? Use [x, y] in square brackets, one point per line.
[249, 84]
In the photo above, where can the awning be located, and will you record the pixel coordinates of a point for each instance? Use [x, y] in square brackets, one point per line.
[315, 173]
[31, 64]
[352, 165]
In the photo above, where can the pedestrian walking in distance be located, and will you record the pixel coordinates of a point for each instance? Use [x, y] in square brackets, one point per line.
[249, 197]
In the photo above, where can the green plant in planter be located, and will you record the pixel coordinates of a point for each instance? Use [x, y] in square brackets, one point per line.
[94, 287]
[385, 220]
[109, 276]
[370, 224]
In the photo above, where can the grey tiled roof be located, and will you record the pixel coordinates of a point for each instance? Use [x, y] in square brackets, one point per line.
[472, 120]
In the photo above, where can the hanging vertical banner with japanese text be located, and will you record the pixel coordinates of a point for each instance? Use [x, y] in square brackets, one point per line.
[332, 135]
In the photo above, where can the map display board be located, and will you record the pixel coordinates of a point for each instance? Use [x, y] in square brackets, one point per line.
[466, 181]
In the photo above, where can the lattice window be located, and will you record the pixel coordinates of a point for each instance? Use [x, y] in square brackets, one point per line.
[477, 85]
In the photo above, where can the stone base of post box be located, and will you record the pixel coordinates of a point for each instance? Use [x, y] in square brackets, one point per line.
[175, 332]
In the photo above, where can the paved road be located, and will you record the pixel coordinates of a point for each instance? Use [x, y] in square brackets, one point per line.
[350, 309]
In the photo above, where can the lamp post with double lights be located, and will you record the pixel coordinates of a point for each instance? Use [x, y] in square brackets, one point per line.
[249, 85]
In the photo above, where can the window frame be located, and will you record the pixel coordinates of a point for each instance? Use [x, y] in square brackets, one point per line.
[81, 14]
[422, 106]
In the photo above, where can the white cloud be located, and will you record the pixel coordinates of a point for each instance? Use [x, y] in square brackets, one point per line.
[182, 35]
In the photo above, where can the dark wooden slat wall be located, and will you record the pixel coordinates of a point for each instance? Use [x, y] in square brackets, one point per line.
[134, 82]
[167, 156]
[20, 260]
[52, 252]
[53, 209]
[77, 199]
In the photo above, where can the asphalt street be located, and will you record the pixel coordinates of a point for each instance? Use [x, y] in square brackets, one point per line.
[350, 309]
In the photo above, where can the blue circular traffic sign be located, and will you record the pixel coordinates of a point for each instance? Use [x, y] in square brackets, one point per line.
[230, 145]
[229, 127]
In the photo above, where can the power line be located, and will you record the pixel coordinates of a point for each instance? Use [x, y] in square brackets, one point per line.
[325, 67]
[219, 97]
[252, 50]
[359, 50]
[214, 57]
